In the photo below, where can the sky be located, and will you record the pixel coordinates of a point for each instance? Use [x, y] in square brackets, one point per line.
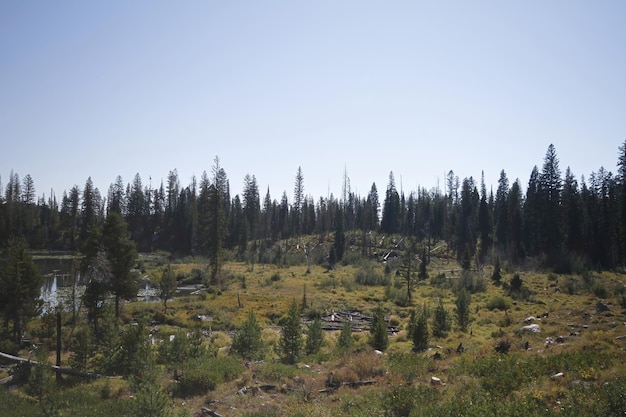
[418, 88]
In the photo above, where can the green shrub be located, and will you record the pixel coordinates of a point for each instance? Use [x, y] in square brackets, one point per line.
[204, 374]
[440, 281]
[369, 276]
[408, 366]
[498, 303]
[599, 290]
[276, 372]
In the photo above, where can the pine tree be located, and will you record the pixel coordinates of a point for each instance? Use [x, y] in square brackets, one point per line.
[121, 254]
[20, 286]
[496, 276]
[314, 337]
[217, 220]
[462, 309]
[298, 201]
[247, 342]
[418, 331]
[345, 340]
[550, 193]
[290, 343]
[390, 222]
[441, 321]
[379, 339]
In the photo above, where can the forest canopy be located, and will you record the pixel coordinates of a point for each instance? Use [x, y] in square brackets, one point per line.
[554, 217]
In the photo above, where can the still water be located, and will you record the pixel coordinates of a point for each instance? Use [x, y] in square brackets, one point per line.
[63, 285]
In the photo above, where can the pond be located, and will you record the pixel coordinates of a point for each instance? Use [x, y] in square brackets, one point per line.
[64, 286]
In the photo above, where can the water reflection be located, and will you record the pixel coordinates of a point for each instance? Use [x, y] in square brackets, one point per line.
[64, 287]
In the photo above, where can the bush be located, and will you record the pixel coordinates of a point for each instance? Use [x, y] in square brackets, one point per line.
[409, 366]
[369, 276]
[204, 374]
[276, 372]
[498, 303]
[599, 290]
[441, 281]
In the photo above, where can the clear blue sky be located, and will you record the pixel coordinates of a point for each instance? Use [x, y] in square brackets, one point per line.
[419, 88]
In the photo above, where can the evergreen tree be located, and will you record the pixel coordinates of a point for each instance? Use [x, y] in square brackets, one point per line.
[298, 201]
[373, 208]
[515, 227]
[345, 340]
[496, 276]
[218, 210]
[390, 222]
[379, 339]
[20, 286]
[572, 215]
[621, 191]
[88, 210]
[462, 309]
[251, 206]
[96, 271]
[501, 211]
[441, 321]
[484, 222]
[418, 331]
[247, 342]
[290, 343]
[83, 350]
[121, 254]
[550, 194]
[532, 215]
[116, 199]
[314, 337]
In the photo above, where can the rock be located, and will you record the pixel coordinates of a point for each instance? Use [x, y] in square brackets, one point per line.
[561, 339]
[530, 319]
[557, 376]
[531, 328]
[435, 381]
[601, 307]
[378, 352]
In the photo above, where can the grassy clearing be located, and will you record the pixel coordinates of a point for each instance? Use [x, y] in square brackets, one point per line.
[575, 339]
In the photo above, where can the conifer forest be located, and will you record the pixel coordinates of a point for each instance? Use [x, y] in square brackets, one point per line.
[469, 299]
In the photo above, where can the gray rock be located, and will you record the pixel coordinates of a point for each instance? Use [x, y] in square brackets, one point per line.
[601, 307]
[531, 328]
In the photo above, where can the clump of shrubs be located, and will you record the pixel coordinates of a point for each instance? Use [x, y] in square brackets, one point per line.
[498, 303]
[369, 276]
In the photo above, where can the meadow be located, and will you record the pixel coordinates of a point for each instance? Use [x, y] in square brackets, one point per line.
[574, 365]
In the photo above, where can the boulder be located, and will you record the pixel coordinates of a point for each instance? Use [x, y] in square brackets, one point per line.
[531, 328]
[557, 376]
[435, 381]
[601, 307]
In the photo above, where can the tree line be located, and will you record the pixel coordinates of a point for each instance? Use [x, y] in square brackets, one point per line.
[557, 220]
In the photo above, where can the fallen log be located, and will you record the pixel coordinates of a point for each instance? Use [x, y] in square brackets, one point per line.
[6, 380]
[66, 371]
[210, 412]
